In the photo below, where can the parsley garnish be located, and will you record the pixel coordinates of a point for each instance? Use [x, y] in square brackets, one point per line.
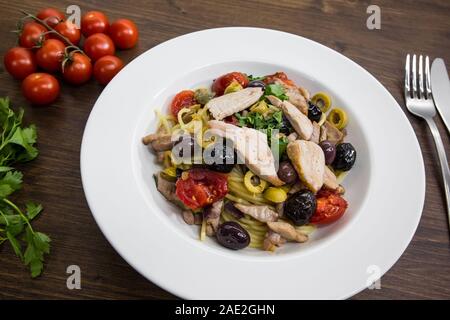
[276, 90]
[267, 125]
[17, 145]
[253, 78]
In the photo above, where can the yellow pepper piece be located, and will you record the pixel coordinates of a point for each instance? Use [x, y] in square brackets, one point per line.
[171, 172]
[233, 87]
[259, 107]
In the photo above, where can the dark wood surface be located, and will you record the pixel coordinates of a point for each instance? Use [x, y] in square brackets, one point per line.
[54, 178]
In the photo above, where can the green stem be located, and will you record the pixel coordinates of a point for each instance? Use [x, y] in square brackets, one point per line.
[19, 212]
[51, 30]
[4, 217]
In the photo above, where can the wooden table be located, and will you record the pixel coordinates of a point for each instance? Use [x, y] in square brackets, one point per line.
[54, 178]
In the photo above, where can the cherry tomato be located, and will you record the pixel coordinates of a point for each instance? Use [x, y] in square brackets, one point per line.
[51, 16]
[40, 88]
[106, 68]
[32, 34]
[77, 69]
[94, 22]
[181, 100]
[201, 187]
[20, 62]
[330, 207]
[124, 33]
[68, 30]
[221, 83]
[278, 76]
[99, 45]
[50, 56]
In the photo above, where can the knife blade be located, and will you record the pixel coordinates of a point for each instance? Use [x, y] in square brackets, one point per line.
[440, 86]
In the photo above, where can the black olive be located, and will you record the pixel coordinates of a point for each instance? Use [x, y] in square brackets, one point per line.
[285, 126]
[178, 173]
[286, 172]
[225, 160]
[231, 235]
[300, 207]
[256, 83]
[345, 157]
[314, 112]
[329, 150]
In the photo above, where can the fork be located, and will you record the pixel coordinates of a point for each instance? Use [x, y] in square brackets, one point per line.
[419, 101]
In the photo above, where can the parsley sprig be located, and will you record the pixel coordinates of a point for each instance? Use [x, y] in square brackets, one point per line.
[274, 122]
[17, 146]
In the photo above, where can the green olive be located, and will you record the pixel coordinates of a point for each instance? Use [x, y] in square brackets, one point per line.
[338, 117]
[322, 100]
[276, 195]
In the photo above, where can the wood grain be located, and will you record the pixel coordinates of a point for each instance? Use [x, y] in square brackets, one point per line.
[54, 178]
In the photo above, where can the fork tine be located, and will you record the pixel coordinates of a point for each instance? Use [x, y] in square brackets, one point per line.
[407, 77]
[427, 77]
[422, 92]
[414, 77]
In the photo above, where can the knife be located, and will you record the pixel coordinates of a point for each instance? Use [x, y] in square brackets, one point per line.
[440, 86]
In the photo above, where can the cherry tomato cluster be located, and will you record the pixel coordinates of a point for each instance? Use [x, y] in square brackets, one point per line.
[50, 45]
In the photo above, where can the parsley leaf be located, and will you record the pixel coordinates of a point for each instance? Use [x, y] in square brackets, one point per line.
[253, 78]
[17, 145]
[276, 90]
[267, 125]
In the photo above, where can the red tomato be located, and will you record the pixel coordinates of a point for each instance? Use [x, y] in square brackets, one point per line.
[68, 30]
[40, 88]
[94, 22]
[278, 76]
[51, 16]
[221, 83]
[124, 33]
[201, 187]
[330, 207]
[50, 56]
[99, 45]
[20, 62]
[32, 34]
[182, 100]
[77, 69]
[231, 119]
[106, 68]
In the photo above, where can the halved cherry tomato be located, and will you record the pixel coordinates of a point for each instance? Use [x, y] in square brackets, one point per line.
[94, 22]
[68, 30]
[20, 62]
[106, 68]
[182, 100]
[40, 88]
[78, 69]
[32, 34]
[278, 76]
[201, 187]
[330, 207]
[99, 45]
[124, 33]
[51, 16]
[220, 84]
[49, 57]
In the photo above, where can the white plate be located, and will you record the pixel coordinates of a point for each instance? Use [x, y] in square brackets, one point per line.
[385, 189]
